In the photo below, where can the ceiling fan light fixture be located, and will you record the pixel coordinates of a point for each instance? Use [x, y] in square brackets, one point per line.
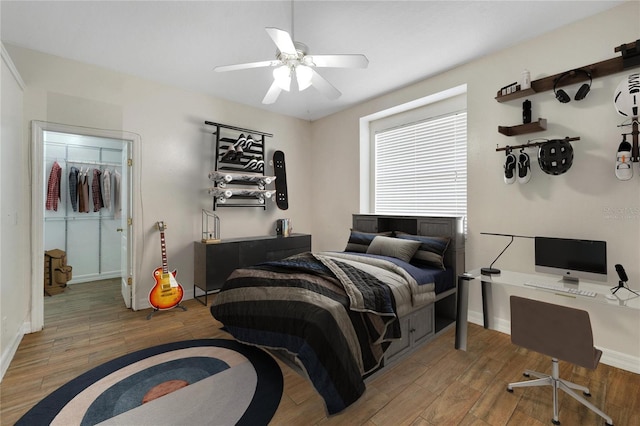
[282, 77]
[304, 75]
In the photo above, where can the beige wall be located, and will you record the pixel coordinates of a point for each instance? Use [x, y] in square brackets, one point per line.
[577, 204]
[176, 152]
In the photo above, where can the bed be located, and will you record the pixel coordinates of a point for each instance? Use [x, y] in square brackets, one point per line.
[342, 316]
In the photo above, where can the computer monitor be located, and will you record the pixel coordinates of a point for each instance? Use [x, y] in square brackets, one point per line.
[572, 259]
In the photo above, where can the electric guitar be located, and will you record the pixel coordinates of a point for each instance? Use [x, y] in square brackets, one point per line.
[167, 292]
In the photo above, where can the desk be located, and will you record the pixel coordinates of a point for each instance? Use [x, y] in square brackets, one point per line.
[623, 299]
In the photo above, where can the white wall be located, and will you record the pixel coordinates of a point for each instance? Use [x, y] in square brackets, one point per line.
[577, 204]
[176, 152]
[14, 216]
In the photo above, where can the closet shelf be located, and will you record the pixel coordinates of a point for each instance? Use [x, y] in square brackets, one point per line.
[531, 144]
[522, 129]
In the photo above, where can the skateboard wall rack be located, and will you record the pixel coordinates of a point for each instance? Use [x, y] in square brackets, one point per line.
[242, 151]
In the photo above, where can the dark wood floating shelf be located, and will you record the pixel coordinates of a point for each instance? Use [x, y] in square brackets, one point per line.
[521, 129]
[598, 69]
[533, 144]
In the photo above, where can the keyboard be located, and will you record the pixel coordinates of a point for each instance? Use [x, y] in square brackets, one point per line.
[561, 289]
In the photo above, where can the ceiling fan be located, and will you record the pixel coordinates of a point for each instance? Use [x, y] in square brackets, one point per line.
[292, 59]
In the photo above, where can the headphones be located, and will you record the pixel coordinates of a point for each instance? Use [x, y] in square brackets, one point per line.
[582, 92]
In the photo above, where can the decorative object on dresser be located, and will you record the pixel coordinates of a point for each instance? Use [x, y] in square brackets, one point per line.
[213, 263]
[339, 318]
[167, 293]
[210, 227]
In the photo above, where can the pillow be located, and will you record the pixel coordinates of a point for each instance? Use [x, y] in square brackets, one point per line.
[393, 247]
[359, 241]
[431, 250]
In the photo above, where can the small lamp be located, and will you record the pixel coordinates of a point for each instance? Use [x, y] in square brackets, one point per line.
[494, 271]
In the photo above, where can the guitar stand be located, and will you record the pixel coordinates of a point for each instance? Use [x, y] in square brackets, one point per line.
[184, 308]
[623, 284]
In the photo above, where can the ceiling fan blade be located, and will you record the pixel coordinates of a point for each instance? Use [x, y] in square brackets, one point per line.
[323, 86]
[338, 61]
[248, 65]
[272, 94]
[282, 39]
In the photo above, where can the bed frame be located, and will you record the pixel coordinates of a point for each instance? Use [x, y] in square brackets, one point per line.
[427, 322]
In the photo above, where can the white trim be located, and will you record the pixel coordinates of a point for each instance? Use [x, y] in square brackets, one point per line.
[12, 67]
[609, 357]
[9, 353]
[365, 146]
[37, 206]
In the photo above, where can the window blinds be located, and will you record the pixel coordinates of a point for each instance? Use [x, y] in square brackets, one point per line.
[421, 168]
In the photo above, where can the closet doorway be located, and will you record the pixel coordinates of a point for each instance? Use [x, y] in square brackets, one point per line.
[92, 222]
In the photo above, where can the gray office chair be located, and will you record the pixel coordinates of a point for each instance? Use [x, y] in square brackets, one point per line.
[561, 333]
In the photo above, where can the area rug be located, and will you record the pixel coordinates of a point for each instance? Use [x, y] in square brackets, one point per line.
[194, 382]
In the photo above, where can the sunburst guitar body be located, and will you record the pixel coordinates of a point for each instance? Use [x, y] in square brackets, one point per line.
[167, 293]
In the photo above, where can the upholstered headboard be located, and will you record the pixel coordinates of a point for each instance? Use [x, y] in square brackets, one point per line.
[451, 227]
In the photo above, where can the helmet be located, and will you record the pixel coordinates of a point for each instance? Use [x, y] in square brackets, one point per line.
[625, 99]
[555, 157]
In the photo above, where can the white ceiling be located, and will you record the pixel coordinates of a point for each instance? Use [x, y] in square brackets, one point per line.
[179, 43]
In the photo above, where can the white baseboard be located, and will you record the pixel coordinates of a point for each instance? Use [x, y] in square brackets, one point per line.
[609, 357]
[10, 351]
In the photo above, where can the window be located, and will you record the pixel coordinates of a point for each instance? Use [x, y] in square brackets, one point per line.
[421, 168]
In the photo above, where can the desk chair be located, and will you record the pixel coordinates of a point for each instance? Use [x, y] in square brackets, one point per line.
[561, 333]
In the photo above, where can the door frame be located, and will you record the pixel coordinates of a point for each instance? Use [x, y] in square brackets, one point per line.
[37, 207]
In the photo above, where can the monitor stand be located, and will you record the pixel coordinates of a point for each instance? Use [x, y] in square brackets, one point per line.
[569, 280]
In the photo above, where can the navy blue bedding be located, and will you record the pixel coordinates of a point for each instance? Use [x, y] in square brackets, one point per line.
[443, 279]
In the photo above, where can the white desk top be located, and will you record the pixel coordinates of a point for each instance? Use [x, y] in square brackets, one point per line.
[623, 298]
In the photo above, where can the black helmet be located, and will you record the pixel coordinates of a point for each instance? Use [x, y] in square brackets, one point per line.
[555, 157]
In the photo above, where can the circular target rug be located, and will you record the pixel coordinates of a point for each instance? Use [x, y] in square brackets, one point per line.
[194, 382]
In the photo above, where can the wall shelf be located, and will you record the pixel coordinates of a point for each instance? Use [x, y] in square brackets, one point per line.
[521, 129]
[598, 69]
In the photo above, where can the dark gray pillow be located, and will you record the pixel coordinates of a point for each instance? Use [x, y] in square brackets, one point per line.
[393, 247]
[431, 250]
[359, 241]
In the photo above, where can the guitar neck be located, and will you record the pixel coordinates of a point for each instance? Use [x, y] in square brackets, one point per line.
[165, 267]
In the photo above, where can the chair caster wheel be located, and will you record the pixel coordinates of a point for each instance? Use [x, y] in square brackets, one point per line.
[510, 390]
[586, 393]
[608, 424]
[555, 422]
[525, 374]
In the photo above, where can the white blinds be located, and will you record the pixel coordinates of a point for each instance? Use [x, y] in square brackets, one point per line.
[421, 168]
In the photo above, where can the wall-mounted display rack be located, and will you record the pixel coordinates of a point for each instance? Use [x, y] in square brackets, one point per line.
[521, 129]
[532, 144]
[630, 58]
[240, 153]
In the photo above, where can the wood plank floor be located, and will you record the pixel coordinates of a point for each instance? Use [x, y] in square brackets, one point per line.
[437, 385]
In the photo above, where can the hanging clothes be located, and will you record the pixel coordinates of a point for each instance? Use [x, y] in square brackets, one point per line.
[83, 191]
[117, 202]
[106, 188]
[53, 187]
[73, 187]
[96, 190]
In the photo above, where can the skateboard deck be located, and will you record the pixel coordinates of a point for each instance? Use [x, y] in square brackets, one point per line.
[223, 178]
[282, 199]
[223, 194]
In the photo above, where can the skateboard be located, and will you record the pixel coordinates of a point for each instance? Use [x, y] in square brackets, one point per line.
[280, 171]
[223, 178]
[224, 194]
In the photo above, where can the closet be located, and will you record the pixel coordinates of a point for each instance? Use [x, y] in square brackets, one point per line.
[88, 228]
